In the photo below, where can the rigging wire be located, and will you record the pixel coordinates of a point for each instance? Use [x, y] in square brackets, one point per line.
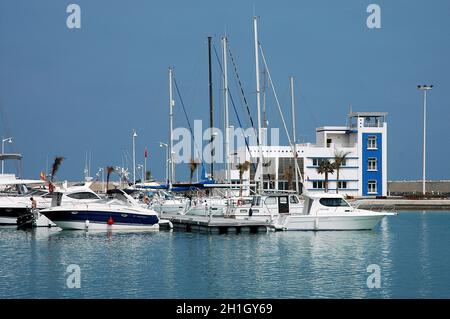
[243, 95]
[186, 115]
[234, 106]
[280, 111]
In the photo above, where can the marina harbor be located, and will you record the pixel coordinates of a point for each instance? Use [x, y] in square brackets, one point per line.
[184, 150]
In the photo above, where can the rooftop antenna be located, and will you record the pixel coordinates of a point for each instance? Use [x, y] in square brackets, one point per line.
[349, 114]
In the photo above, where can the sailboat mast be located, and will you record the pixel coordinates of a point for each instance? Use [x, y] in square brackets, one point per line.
[211, 110]
[226, 116]
[258, 102]
[171, 104]
[294, 133]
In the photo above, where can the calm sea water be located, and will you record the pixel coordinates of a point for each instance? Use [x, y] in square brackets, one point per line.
[411, 249]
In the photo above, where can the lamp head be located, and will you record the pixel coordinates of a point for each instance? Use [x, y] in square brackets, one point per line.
[425, 87]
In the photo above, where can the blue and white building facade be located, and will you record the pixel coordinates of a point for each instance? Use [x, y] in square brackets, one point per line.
[364, 172]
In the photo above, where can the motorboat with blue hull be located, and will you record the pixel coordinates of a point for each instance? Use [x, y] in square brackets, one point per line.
[118, 211]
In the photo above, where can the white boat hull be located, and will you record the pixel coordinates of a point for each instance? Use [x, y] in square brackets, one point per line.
[306, 222]
[170, 209]
[8, 220]
[203, 210]
[43, 221]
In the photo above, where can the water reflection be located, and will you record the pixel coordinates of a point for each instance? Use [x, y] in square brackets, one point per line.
[409, 248]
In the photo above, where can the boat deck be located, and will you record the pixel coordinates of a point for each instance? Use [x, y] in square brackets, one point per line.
[217, 225]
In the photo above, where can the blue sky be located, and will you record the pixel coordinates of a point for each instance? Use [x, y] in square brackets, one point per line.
[64, 92]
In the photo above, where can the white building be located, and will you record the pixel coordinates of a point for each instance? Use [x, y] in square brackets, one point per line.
[364, 173]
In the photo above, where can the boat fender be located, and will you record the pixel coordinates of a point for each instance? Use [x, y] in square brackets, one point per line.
[110, 221]
[86, 224]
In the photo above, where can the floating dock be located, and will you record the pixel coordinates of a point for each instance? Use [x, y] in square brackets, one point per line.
[216, 225]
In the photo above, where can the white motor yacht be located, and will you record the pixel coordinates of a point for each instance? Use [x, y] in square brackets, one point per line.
[328, 212]
[28, 217]
[118, 211]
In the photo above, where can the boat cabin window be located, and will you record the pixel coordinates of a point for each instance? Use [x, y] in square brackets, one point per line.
[83, 195]
[293, 199]
[271, 201]
[333, 202]
[256, 201]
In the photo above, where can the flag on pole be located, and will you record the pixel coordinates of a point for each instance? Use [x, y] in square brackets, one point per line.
[42, 176]
[145, 153]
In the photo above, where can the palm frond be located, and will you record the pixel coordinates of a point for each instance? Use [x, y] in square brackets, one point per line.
[56, 164]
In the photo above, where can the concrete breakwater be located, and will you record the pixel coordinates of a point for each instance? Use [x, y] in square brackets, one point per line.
[403, 204]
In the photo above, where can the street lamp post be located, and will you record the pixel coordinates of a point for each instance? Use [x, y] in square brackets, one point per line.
[9, 140]
[424, 88]
[134, 157]
[161, 144]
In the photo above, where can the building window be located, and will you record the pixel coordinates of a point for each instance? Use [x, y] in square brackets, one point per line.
[342, 185]
[329, 141]
[283, 186]
[371, 164]
[344, 162]
[372, 187]
[317, 161]
[372, 142]
[318, 184]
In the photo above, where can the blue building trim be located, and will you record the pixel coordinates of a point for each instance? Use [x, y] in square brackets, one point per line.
[372, 153]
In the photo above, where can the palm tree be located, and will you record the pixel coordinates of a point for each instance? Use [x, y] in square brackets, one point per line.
[288, 174]
[242, 167]
[56, 164]
[339, 160]
[325, 167]
[193, 164]
[109, 170]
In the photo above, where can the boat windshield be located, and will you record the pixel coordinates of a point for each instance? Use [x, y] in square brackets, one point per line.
[120, 197]
[333, 202]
